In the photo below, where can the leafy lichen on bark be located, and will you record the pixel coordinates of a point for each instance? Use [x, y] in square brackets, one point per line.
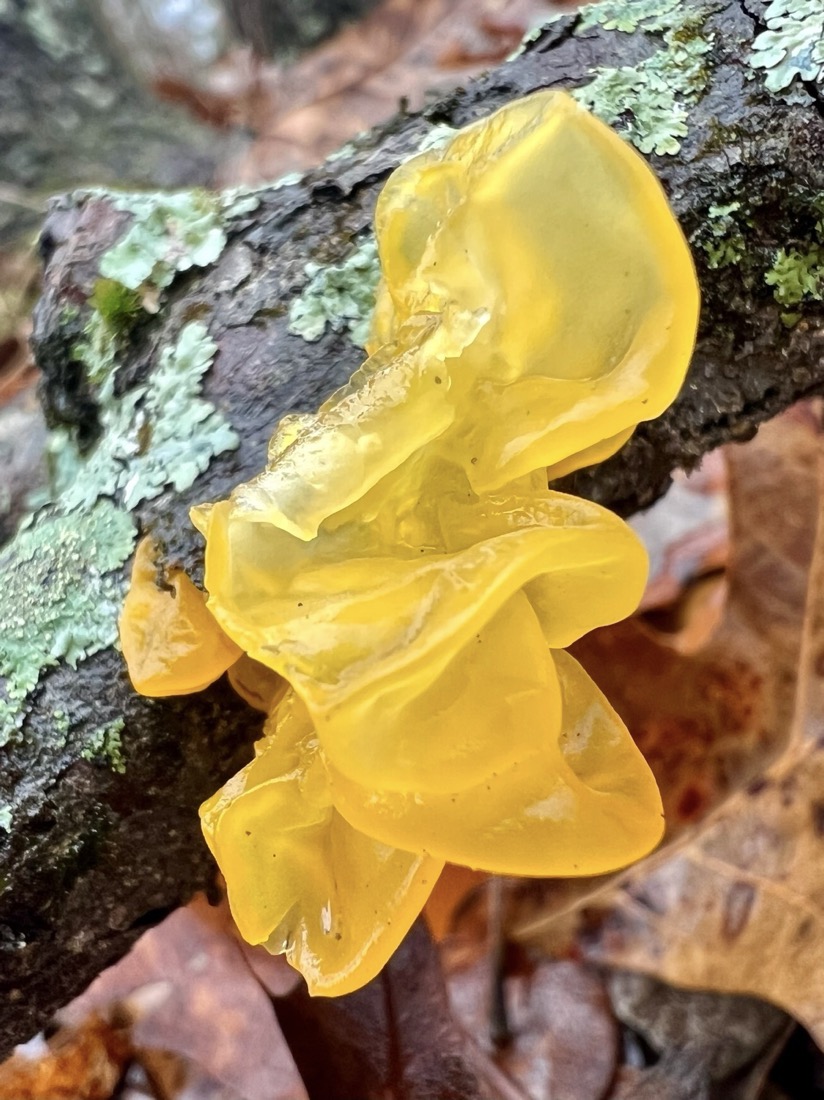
[649, 102]
[104, 744]
[60, 598]
[341, 295]
[170, 233]
[722, 238]
[797, 271]
[155, 434]
[156, 237]
[67, 588]
[732, 236]
[791, 49]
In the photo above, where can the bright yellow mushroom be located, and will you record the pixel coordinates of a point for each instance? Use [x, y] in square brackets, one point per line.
[401, 564]
[583, 802]
[262, 688]
[538, 302]
[300, 878]
[372, 633]
[171, 642]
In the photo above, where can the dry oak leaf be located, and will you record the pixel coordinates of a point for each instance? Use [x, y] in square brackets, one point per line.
[738, 905]
[563, 1036]
[216, 1016]
[395, 1038]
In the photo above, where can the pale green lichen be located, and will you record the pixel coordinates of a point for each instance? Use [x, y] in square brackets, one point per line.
[61, 724]
[632, 15]
[47, 23]
[104, 744]
[5, 816]
[649, 103]
[61, 595]
[339, 295]
[241, 200]
[343, 153]
[63, 588]
[161, 432]
[793, 44]
[237, 201]
[797, 276]
[436, 137]
[722, 237]
[173, 232]
[170, 233]
[289, 180]
[342, 295]
[153, 435]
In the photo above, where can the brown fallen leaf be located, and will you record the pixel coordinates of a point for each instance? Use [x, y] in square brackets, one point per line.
[98, 1059]
[686, 532]
[563, 1034]
[677, 1077]
[712, 720]
[394, 1039]
[688, 624]
[733, 1039]
[19, 278]
[84, 1063]
[217, 1015]
[23, 466]
[736, 904]
[453, 888]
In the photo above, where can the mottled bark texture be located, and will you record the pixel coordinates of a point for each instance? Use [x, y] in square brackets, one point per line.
[93, 856]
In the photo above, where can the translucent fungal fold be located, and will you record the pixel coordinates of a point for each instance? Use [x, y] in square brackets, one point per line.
[171, 642]
[402, 582]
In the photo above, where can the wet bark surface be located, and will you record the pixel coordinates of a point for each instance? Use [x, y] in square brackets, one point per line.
[94, 856]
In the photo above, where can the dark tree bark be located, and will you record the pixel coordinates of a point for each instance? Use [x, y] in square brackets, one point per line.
[92, 856]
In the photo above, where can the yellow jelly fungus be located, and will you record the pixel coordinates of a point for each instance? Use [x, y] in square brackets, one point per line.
[402, 565]
[302, 880]
[258, 685]
[171, 642]
[538, 301]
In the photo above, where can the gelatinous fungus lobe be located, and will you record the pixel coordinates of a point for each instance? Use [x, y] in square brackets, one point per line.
[401, 564]
[171, 642]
